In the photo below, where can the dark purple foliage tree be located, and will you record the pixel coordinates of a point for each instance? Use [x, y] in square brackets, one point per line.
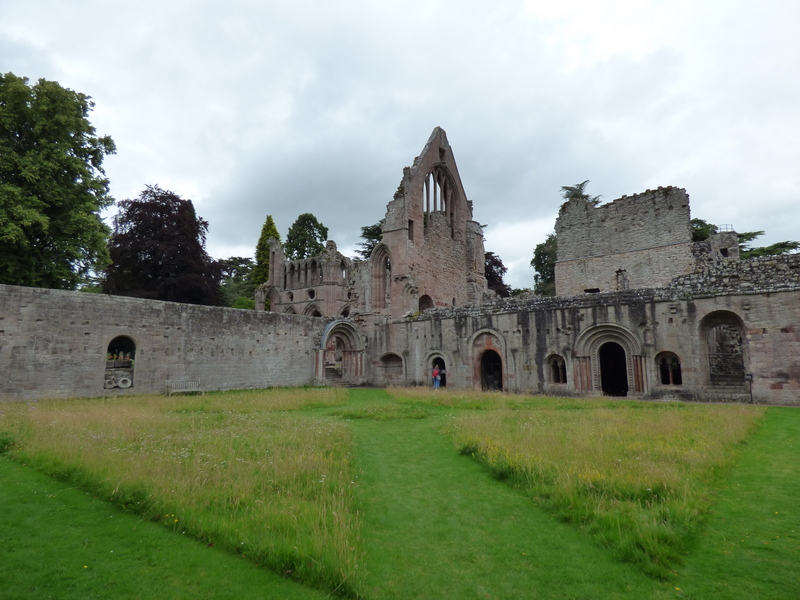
[494, 270]
[158, 251]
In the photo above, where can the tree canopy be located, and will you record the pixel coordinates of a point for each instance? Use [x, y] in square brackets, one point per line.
[306, 237]
[544, 266]
[52, 185]
[372, 235]
[702, 230]
[568, 192]
[158, 251]
[261, 270]
[237, 287]
[494, 271]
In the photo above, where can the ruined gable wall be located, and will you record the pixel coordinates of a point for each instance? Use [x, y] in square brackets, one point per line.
[640, 241]
[53, 344]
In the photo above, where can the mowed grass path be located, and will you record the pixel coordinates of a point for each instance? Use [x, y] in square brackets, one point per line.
[437, 525]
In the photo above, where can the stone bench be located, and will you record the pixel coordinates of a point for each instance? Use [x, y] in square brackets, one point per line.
[182, 387]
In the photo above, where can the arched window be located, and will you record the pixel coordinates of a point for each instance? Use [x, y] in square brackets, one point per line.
[425, 302]
[120, 361]
[669, 369]
[381, 275]
[556, 369]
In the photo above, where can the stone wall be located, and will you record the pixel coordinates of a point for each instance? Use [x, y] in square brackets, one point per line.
[645, 323]
[54, 343]
[637, 241]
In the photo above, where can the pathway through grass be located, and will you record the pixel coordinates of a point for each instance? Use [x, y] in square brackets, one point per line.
[438, 526]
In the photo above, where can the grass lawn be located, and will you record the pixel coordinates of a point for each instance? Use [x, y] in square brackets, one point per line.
[377, 488]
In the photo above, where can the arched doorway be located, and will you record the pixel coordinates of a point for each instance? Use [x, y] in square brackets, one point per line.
[491, 371]
[613, 369]
[340, 358]
[120, 360]
[439, 362]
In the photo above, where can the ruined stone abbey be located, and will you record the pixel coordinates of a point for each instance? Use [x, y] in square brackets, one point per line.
[641, 311]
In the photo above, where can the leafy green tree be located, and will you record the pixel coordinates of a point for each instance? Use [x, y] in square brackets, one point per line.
[702, 230]
[237, 287]
[372, 235]
[306, 237]
[544, 266]
[746, 250]
[494, 270]
[52, 185]
[158, 251]
[261, 270]
[568, 192]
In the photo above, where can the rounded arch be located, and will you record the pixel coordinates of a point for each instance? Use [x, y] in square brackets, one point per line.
[613, 369]
[556, 369]
[596, 370]
[437, 360]
[425, 302]
[668, 367]
[591, 338]
[725, 344]
[341, 350]
[488, 352]
[120, 361]
[391, 368]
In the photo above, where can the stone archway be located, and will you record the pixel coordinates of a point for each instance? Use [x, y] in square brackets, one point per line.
[340, 358]
[617, 369]
[613, 369]
[491, 371]
[439, 362]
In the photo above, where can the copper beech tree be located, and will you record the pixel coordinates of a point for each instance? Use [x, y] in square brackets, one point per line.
[158, 251]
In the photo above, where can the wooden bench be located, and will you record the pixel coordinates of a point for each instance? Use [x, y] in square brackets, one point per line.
[182, 387]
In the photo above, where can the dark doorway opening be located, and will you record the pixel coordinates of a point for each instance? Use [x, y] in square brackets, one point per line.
[491, 371]
[613, 369]
[439, 362]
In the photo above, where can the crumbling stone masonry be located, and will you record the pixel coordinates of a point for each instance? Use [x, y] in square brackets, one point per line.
[642, 311]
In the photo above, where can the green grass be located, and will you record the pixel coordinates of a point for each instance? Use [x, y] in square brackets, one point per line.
[423, 520]
[58, 542]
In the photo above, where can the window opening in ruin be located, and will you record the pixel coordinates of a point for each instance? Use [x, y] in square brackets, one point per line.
[343, 267]
[613, 369]
[725, 354]
[437, 192]
[669, 369]
[491, 371]
[311, 294]
[411, 230]
[439, 363]
[345, 311]
[381, 274]
[120, 361]
[557, 368]
[425, 302]
[592, 291]
[724, 252]
[290, 296]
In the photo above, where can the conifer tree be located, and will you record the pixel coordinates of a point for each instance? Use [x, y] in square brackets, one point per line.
[261, 271]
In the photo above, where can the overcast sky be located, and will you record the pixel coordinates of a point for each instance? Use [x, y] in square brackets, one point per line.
[252, 108]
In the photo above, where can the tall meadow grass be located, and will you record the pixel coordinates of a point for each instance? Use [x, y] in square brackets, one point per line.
[239, 470]
[638, 476]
